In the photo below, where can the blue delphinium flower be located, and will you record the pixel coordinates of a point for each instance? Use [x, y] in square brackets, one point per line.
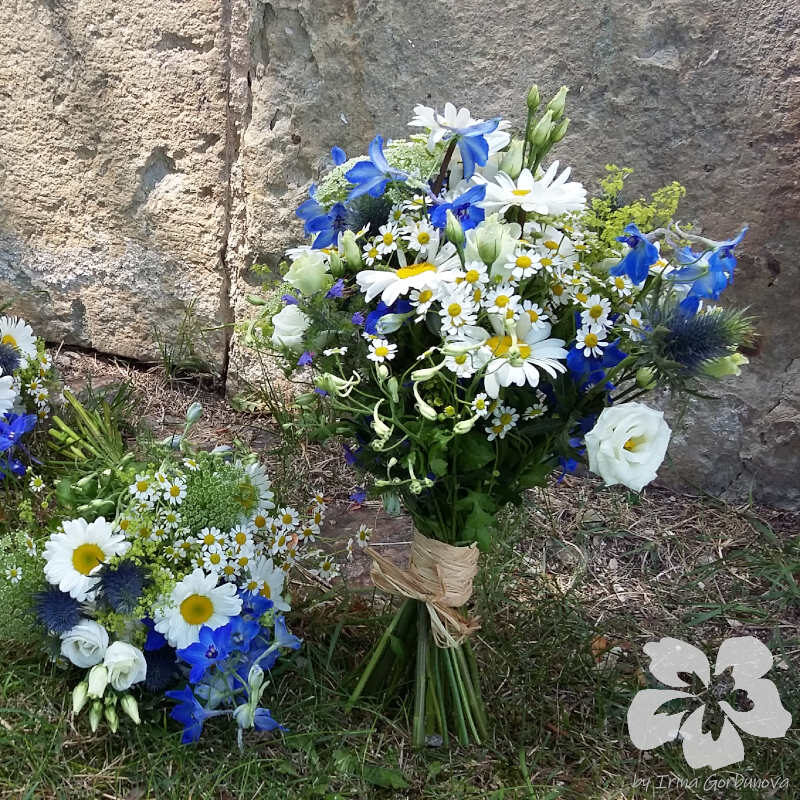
[122, 586]
[212, 647]
[372, 175]
[463, 207]
[325, 225]
[254, 604]
[289, 300]
[283, 638]
[243, 632]
[189, 713]
[643, 254]
[338, 155]
[400, 306]
[472, 144]
[337, 290]
[57, 611]
[263, 721]
[13, 427]
[305, 359]
[9, 359]
[154, 640]
[358, 496]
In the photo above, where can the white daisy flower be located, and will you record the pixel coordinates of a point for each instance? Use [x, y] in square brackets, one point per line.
[161, 479]
[591, 340]
[621, 284]
[13, 574]
[505, 416]
[261, 522]
[390, 284]
[288, 517]
[538, 409]
[536, 314]
[17, 333]
[327, 569]
[371, 253]
[142, 488]
[502, 301]
[498, 428]
[548, 195]
[283, 539]
[363, 535]
[525, 265]
[474, 275]
[308, 532]
[559, 289]
[387, 239]
[464, 365]
[397, 213]
[36, 484]
[191, 464]
[209, 538]
[240, 539]
[175, 491]
[74, 556]
[158, 533]
[635, 324]
[334, 351]
[381, 350]
[457, 311]
[482, 405]
[270, 579]
[171, 519]
[421, 300]
[596, 311]
[195, 601]
[422, 237]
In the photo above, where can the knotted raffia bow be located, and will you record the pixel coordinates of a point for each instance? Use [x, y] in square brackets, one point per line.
[438, 575]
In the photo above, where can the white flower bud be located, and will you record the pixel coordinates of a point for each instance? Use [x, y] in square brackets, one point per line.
[193, 413]
[129, 705]
[98, 680]
[80, 695]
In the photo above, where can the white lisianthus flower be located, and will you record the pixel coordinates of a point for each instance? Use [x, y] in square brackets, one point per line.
[310, 273]
[628, 444]
[289, 326]
[126, 665]
[454, 120]
[546, 195]
[8, 394]
[85, 644]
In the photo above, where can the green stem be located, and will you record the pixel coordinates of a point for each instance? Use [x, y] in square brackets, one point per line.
[418, 735]
[438, 678]
[376, 654]
[463, 736]
[465, 700]
[475, 701]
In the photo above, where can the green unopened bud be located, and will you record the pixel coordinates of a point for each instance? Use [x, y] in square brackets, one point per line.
[465, 426]
[337, 265]
[95, 714]
[98, 680]
[351, 251]
[511, 163]
[453, 230]
[645, 377]
[193, 413]
[393, 388]
[558, 103]
[533, 99]
[256, 300]
[255, 680]
[383, 371]
[560, 130]
[422, 375]
[424, 409]
[129, 705]
[112, 718]
[541, 131]
[724, 366]
[80, 695]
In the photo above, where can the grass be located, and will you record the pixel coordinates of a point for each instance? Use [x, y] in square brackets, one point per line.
[581, 578]
[577, 586]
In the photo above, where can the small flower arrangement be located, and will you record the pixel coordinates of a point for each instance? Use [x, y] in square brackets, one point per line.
[174, 574]
[471, 322]
[27, 383]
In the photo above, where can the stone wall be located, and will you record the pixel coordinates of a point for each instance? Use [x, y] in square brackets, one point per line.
[151, 152]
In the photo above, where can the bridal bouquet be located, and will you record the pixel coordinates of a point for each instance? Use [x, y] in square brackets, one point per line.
[167, 576]
[470, 323]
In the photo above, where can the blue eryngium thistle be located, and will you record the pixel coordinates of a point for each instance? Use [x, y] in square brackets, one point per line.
[683, 342]
[56, 610]
[162, 669]
[9, 359]
[122, 586]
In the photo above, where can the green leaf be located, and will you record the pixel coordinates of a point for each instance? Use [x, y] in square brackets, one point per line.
[344, 762]
[474, 452]
[385, 777]
[535, 475]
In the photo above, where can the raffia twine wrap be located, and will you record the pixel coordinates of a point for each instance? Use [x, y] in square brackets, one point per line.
[439, 575]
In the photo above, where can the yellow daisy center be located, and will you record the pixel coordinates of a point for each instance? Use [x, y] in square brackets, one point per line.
[423, 237]
[550, 244]
[8, 339]
[382, 351]
[241, 538]
[590, 340]
[634, 322]
[454, 309]
[596, 311]
[260, 522]
[372, 253]
[546, 262]
[462, 359]
[174, 491]
[477, 294]
[209, 539]
[415, 269]
[619, 283]
[505, 419]
[142, 486]
[425, 295]
[557, 289]
[524, 350]
[581, 297]
[520, 192]
[499, 345]
[286, 519]
[86, 557]
[266, 591]
[388, 238]
[501, 300]
[472, 276]
[534, 317]
[524, 262]
[197, 609]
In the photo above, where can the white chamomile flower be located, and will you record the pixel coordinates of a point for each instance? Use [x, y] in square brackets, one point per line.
[41, 398]
[525, 265]
[174, 491]
[559, 289]
[536, 314]
[464, 365]
[596, 311]
[36, 484]
[240, 538]
[158, 533]
[288, 517]
[621, 285]
[397, 213]
[283, 540]
[171, 519]
[269, 579]
[417, 203]
[421, 237]
[327, 569]
[17, 333]
[261, 523]
[195, 601]
[317, 515]
[504, 419]
[13, 574]
[243, 557]
[124, 525]
[371, 253]
[308, 532]
[30, 545]
[635, 324]
[534, 411]
[457, 311]
[209, 537]
[387, 238]
[591, 340]
[74, 556]
[161, 479]
[363, 535]
[502, 301]
[421, 300]
[381, 350]
[482, 405]
[191, 464]
[334, 351]
[142, 488]
[474, 275]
